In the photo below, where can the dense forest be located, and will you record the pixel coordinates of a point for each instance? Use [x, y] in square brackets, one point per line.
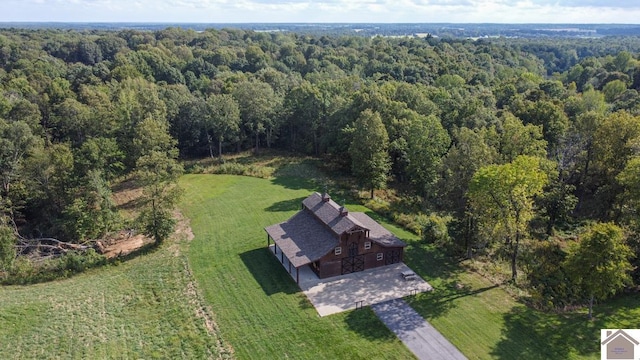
[506, 149]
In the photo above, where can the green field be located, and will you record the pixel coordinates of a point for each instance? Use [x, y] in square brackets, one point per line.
[147, 307]
[143, 308]
[262, 314]
[259, 308]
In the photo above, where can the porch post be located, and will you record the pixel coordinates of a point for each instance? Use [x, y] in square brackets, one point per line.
[268, 240]
[298, 275]
[282, 257]
[289, 266]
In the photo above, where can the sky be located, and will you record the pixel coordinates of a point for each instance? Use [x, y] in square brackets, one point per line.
[312, 11]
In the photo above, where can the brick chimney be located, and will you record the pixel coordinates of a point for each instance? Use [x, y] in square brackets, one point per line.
[326, 197]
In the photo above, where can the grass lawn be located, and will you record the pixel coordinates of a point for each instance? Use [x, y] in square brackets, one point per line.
[258, 307]
[143, 308]
[263, 315]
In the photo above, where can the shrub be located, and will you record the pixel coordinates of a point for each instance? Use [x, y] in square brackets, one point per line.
[548, 280]
[435, 229]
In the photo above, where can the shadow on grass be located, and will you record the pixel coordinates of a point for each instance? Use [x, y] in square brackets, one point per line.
[530, 334]
[439, 270]
[295, 183]
[268, 272]
[365, 322]
[286, 205]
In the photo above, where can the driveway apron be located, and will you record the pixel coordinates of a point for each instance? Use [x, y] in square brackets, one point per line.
[415, 332]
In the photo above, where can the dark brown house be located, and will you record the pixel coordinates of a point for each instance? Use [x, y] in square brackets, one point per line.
[332, 241]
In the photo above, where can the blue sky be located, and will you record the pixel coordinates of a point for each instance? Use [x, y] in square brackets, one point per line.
[389, 11]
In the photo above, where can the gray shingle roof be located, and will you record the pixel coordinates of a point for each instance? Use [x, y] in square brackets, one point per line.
[315, 230]
[302, 238]
[329, 213]
[377, 233]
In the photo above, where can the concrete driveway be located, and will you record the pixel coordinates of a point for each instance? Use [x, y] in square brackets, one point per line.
[415, 332]
[363, 288]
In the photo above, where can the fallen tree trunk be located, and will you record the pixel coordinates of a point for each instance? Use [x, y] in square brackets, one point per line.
[47, 247]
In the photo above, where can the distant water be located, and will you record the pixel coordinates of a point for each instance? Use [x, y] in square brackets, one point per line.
[364, 29]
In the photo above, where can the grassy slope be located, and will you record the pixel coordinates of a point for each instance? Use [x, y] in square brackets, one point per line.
[263, 315]
[139, 309]
[259, 308]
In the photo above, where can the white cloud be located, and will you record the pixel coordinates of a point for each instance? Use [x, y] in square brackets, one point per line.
[503, 11]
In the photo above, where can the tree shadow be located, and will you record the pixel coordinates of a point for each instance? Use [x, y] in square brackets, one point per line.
[365, 322]
[268, 272]
[286, 205]
[294, 183]
[530, 334]
[440, 271]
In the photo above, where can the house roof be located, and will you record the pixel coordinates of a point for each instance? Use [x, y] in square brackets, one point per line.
[377, 233]
[315, 230]
[329, 213]
[302, 238]
[619, 333]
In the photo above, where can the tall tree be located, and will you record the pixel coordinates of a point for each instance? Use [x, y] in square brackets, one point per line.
[258, 103]
[157, 171]
[599, 264]
[427, 142]
[369, 158]
[501, 198]
[222, 121]
[158, 174]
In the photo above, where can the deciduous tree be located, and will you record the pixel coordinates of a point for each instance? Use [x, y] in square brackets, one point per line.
[501, 198]
[369, 158]
[599, 263]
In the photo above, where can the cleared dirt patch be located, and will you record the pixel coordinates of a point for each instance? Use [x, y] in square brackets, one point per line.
[123, 243]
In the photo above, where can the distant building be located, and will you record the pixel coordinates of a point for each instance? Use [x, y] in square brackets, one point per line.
[332, 241]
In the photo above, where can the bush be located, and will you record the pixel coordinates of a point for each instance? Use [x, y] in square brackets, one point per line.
[233, 168]
[27, 271]
[435, 229]
[550, 287]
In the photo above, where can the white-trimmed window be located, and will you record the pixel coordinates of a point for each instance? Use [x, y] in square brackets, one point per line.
[337, 250]
[380, 256]
[367, 245]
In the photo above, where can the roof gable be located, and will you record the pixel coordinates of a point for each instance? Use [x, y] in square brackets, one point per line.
[330, 214]
[377, 233]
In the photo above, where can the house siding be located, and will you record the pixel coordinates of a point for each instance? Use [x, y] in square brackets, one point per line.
[331, 264]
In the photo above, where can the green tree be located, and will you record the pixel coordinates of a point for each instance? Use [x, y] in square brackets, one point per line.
[599, 264]
[16, 142]
[7, 247]
[222, 121]
[92, 212]
[427, 142]
[257, 102]
[368, 150]
[502, 199]
[518, 139]
[158, 175]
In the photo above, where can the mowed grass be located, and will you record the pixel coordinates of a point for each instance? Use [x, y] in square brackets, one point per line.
[259, 308]
[263, 315]
[141, 309]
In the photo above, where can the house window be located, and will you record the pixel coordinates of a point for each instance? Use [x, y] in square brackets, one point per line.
[379, 257]
[337, 250]
[367, 245]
